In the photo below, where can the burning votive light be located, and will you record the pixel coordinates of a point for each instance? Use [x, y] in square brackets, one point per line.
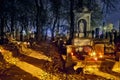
[25, 43]
[28, 43]
[1, 50]
[64, 42]
[72, 53]
[95, 59]
[93, 53]
[69, 49]
[101, 56]
[18, 43]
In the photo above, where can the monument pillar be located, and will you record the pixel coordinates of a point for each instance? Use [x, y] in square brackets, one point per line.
[82, 24]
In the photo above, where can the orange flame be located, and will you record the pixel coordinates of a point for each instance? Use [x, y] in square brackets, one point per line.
[95, 59]
[72, 53]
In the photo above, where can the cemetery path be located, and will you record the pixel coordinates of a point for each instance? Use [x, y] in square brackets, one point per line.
[36, 65]
[27, 67]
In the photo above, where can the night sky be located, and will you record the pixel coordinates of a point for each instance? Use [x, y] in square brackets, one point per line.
[114, 16]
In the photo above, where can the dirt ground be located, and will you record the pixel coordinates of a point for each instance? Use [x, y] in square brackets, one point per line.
[41, 61]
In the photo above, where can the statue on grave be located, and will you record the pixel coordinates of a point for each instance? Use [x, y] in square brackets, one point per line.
[81, 26]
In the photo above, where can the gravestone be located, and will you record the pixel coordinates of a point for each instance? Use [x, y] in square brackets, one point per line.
[82, 23]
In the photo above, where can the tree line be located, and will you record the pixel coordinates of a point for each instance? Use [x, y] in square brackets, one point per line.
[17, 16]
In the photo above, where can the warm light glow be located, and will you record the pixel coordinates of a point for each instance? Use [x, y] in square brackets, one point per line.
[93, 54]
[64, 42]
[101, 56]
[25, 43]
[28, 43]
[18, 43]
[60, 38]
[81, 42]
[72, 53]
[1, 50]
[33, 70]
[95, 59]
[69, 49]
[80, 48]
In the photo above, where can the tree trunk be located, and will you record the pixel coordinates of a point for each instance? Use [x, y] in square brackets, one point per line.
[38, 25]
[53, 28]
[21, 34]
[2, 31]
[45, 37]
[26, 29]
[52, 34]
[72, 21]
[39, 6]
[12, 26]
[12, 18]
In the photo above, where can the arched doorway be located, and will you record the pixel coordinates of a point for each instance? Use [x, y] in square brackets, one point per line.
[82, 26]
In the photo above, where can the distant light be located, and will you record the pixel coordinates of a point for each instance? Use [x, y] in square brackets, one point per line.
[25, 43]
[64, 42]
[28, 43]
[69, 49]
[18, 43]
[104, 28]
[30, 32]
[60, 38]
[24, 33]
[95, 59]
[1, 50]
[93, 54]
[49, 33]
[72, 53]
[101, 56]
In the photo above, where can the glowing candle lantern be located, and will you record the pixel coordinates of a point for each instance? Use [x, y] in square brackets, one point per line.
[95, 59]
[101, 56]
[99, 49]
[69, 49]
[18, 43]
[72, 53]
[94, 54]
